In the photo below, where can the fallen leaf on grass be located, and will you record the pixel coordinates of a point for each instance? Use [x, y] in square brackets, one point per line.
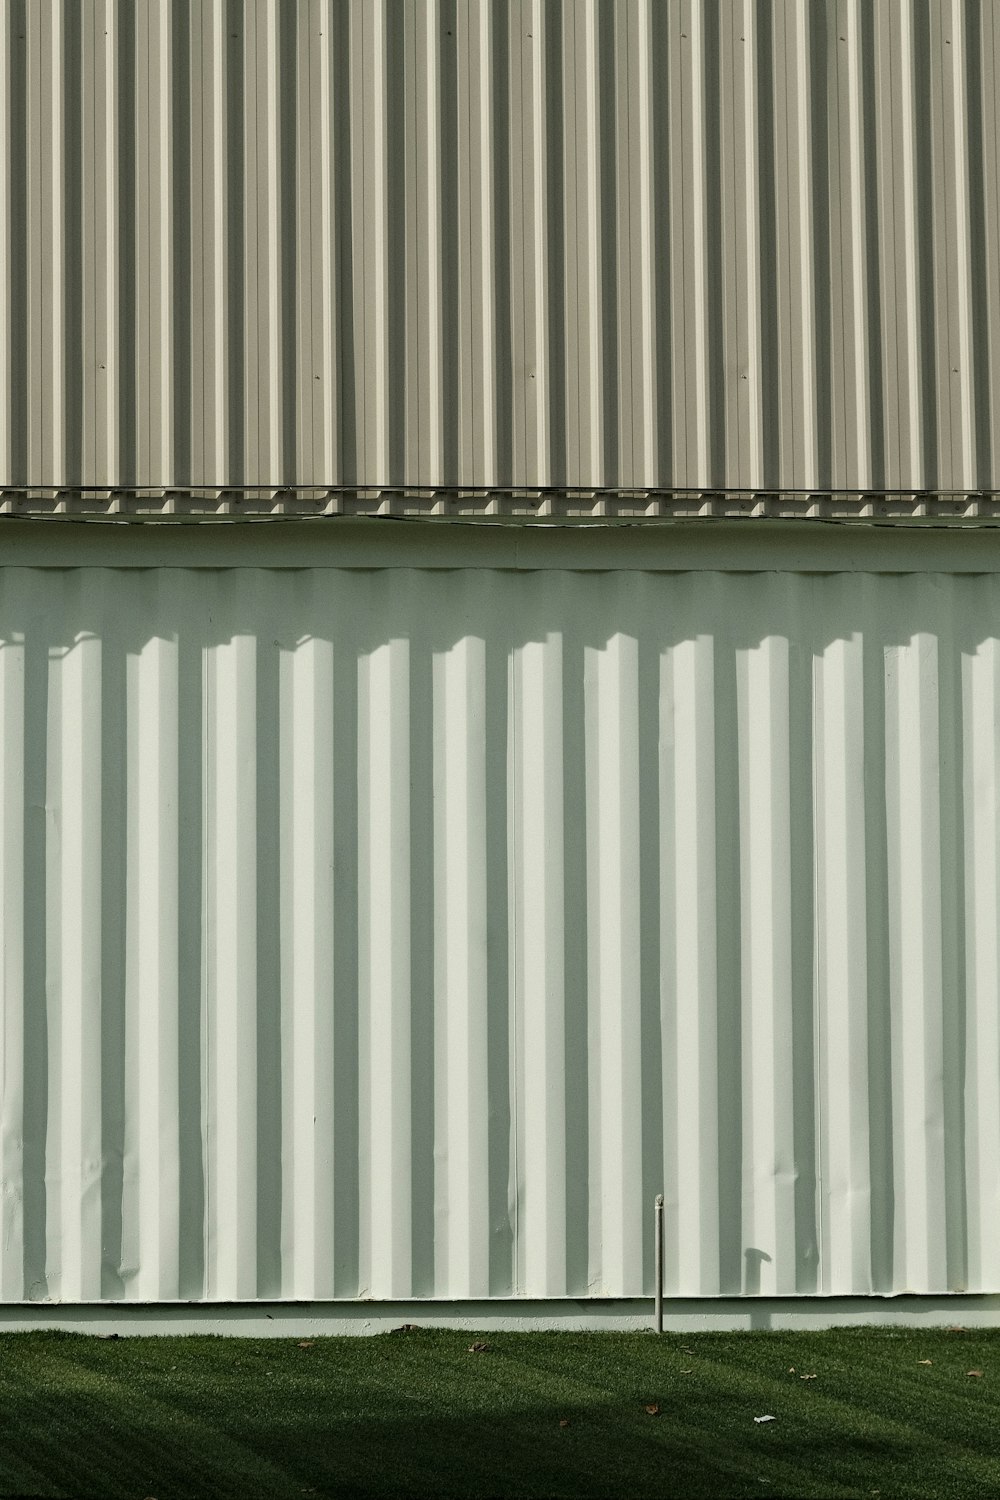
[306, 1343]
[687, 1372]
[767, 1418]
[478, 1348]
[654, 1410]
[976, 1373]
[563, 1422]
[791, 1369]
[807, 1377]
[925, 1361]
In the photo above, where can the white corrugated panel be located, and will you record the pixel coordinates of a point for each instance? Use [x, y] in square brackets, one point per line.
[702, 245]
[398, 931]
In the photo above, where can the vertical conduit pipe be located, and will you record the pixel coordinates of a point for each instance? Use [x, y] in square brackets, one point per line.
[658, 1259]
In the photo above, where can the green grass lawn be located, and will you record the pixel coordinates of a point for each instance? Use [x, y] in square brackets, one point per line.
[889, 1412]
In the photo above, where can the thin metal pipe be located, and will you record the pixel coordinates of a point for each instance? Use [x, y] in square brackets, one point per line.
[658, 1259]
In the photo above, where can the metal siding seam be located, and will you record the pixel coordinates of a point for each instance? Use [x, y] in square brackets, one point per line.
[43, 453]
[155, 260]
[520, 101]
[384, 882]
[200, 147]
[162, 425]
[330, 376]
[145, 238]
[219, 460]
[12, 998]
[842, 960]
[595, 470]
[575, 243]
[889, 203]
[276, 374]
[514, 790]
[837, 247]
[626, 301]
[857, 470]
[368, 22]
[461, 952]
[528, 240]
[6, 237]
[750, 425]
[152, 1006]
[990, 54]
[728, 347]
[647, 466]
[613, 878]
[430, 297]
[108, 375]
[794, 270]
[83, 381]
[434, 377]
[467, 396]
[981, 716]
[912, 771]
[405, 152]
[960, 281]
[307, 707]
[232, 968]
[254, 237]
[74, 1134]
[913, 469]
[312, 145]
[688, 725]
[486, 429]
[732, 212]
[938, 192]
[54, 295]
[809, 408]
[538, 392]
[540, 919]
[693, 314]
[765, 834]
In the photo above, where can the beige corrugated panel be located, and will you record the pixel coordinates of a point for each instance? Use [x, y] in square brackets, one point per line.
[402, 931]
[696, 245]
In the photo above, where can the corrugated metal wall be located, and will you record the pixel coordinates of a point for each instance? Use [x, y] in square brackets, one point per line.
[705, 243]
[401, 932]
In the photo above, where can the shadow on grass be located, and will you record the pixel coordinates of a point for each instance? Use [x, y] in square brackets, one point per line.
[571, 1450]
[534, 1415]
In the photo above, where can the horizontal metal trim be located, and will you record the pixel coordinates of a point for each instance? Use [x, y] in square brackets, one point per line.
[722, 546]
[687, 1315]
[489, 502]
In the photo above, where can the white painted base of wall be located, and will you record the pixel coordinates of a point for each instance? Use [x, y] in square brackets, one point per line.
[683, 1315]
